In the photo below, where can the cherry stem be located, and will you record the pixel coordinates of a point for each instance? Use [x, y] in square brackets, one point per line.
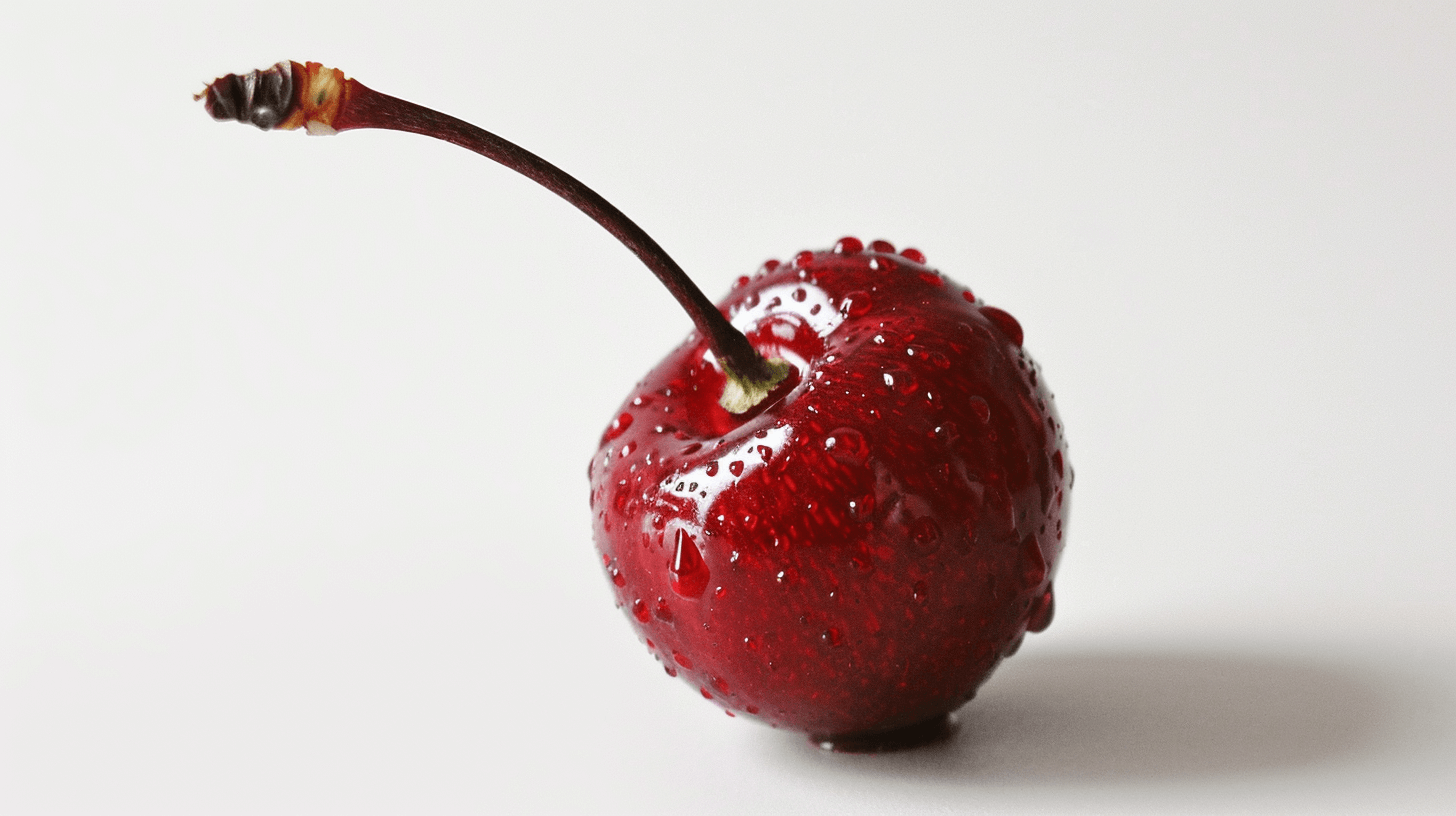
[292, 94]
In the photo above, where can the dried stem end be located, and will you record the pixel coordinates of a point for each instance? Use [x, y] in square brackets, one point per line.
[287, 96]
[741, 393]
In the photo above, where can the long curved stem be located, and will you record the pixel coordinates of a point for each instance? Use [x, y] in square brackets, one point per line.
[290, 95]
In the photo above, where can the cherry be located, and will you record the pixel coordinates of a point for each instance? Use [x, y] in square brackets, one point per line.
[838, 505]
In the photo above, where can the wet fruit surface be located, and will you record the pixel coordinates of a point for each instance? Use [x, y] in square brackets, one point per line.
[856, 554]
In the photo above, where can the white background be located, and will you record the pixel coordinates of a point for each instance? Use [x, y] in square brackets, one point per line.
[293, 431]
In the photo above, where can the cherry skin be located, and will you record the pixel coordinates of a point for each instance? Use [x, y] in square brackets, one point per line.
[856, 555]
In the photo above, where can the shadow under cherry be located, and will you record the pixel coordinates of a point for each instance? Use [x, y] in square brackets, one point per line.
[1139, 716]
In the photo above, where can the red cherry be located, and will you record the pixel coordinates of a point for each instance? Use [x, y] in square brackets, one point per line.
[864, 464]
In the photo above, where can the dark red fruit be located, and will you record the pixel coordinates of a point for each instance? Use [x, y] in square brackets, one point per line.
[857, 556]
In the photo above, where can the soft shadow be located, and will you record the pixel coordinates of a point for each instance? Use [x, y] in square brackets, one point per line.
[1141, 716]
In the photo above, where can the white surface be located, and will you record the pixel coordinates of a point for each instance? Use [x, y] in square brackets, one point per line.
[293, 431]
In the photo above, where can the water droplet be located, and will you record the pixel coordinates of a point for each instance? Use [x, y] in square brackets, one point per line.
[617, 577]
[803, 259]
[848, 245]
[831, 637]
[735, 467]
[1057, 463]
[855, 304]
[689, 573]
[920, 592]
[981, 409]
[765, 452]
[750, 521]
[729, 713]
[704, 691]
[847, 445]
[750, 644]
[618, 427]
[742, 281]
[663, 611]
[1033, 563]
[720, 684]
[640, 611]
[681, 659]
[771, 264]
[913, 254]
[1042, 610]
[671, 672]
[969, 296]
[691, 449]
[1005, 322]
[882, 246]
[924, 535]
[627, 449]
[901, 380]
[932, 278]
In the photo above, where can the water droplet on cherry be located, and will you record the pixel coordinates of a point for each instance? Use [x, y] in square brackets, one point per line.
[924, 536]
[689, 572]
[912, 254]
[882, 246]
[855, 304]
[848, 245]
[640, 611]
[618, 427]
[1042, 610]
[1005, 322]
[847, 445]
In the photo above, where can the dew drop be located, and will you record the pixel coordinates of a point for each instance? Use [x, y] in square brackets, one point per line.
[663, 611]
[855, 304]
[880, 245]
[920, 592]
[712, 469]
[618, 427]
[913, 254]
[1033, 563]
[969, 296]
[770, 265]
[1005, 322]
[681, 659]
[640, 610]
[848, 245]
[671, 672]
[799, 295]
[720, 684]
[901, 380]
[831, 637]
[735, 467]
[932, 278]
[847, 445]
[1042, 610]
[981, 409]
[707, 695]
[803, 259]
[924, 536]
[689, 573]
[1057, 463]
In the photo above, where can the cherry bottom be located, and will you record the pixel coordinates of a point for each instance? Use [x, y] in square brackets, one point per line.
[933, 730]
